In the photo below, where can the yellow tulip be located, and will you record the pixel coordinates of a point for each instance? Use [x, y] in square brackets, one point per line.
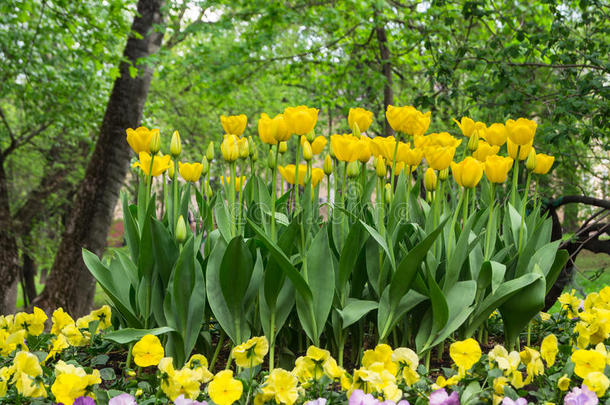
[139, 139]
[439, 157]
[408, 120]
[430, 179]
[282, 132]
[361, 117]
[543, 163]
[522, 131]
[175, 146]
[341, 147]
[468, 172]
[380, 168]
[484, 150]
[307, 151]
[524, 150]
[160, 164]
[438, 139]
[267, 129]
[180, 233]
[466, 126]
[328, 165]
[190, 171]
[230, 148]
[288, 173]
[496, 134]
[244, 149]
[317, 145]
[234, 124]
[383, 146]
[497, 168]
[408, 156]
[301, 120]
[239, 182]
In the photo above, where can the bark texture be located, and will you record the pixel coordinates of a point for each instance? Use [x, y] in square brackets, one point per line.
[9, 256]
[386, 67]
[70, 285]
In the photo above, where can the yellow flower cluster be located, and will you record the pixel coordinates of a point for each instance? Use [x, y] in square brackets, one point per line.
[593, 326]
[185, 381]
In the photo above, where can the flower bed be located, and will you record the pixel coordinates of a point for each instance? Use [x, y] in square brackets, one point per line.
[81, 360]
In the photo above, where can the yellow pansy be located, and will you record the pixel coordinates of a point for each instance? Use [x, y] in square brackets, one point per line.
[359, 116]
[301, 120]
[587, 361]
[139, 139]
[190, 171]
[407, 360]
[597, 382]
[148, 351]
[68, 387]
[549, 350]
[563, 383]
[224, 389]
[60, 320]
[59, 343]
[182, 382]
[234, 124]
[282, 385]
[251, 353]
[465, 354]
[160, 164]
[533, 363]
[103, 315]
[199, 364]
[381, 354]
[468, 172]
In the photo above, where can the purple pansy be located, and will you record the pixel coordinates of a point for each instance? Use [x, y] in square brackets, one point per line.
[123, 399]
[518, 401]
[181, 400]
[319, 401]
[84, 401]
[440, 397]
[581, 396]
[358, 397]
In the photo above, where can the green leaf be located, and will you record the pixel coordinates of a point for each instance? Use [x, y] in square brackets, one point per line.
[355, 310]
[354, 243]
[235, 274]
[129, 335]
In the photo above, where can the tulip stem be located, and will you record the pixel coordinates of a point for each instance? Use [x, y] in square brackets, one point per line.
[221, 340]
[362, 180]
[273, 191]
[491, 207]
[394, 162]
[408, 193]
[232, 196]
[272, 340]
[240, 207]
[149, 180]
[296, 175]
[513, 193]
[465, 208]
[328, 195]
[176, 203]
[454, 220]
[523, 204]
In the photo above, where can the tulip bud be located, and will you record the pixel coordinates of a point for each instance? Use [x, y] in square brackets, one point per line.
[175, 146]
[473, 142]
[311, 135]
[155, 143]
[244, 148]
[530, 163]
[180, 230]
[271, 160]
[356, 130]
[380, 168]
[389, 195]
[209, 153]
[205, 166]
[430, 179]
[207, 190]
[254, 155]
[443, 174]
[307, 151]
[328, 165]
[332, 152]
[283, 147]
[353, 169]
[171, 170]
[251, 146]
[428, 196]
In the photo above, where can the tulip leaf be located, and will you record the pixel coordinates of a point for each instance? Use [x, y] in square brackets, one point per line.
[129, 335]
[354, 310]
[560, 261]
[291, 272]
[381, 242]
[132, 234]
[387, 318]
[285, 303]
[235, 273]
[354, 243]
[222, 220]
[459, 299]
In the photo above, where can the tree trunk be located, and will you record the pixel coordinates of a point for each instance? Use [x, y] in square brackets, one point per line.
[386, 67]
[9, 257]
[70, 285]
